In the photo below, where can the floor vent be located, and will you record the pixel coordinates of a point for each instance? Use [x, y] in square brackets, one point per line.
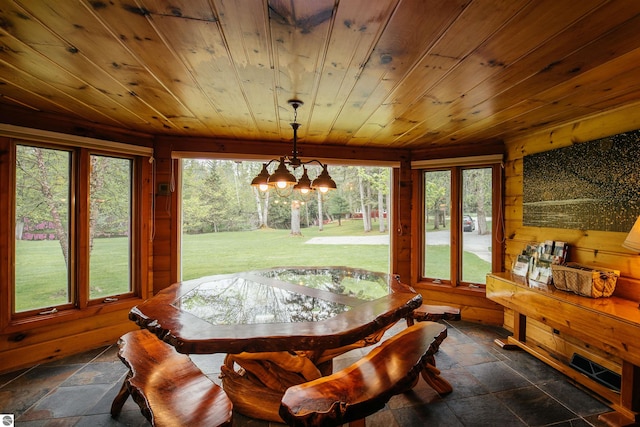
[596, 372]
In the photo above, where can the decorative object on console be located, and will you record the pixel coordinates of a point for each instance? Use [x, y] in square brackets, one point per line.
[587, 281]
[536, 260]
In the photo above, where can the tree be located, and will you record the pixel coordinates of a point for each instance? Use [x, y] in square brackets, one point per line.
[364, 185]
[215, 196]
[42, 189]
[436, 188]
[320, 219]
[477, 184]
[295, 218]
[338, 207]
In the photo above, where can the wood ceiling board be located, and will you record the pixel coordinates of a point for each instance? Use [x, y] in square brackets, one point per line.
[19, 95]
[357, 29]
[54, 96]
[518, 83]
[299, 36]
[413, 27]
[161, 73]
[72, 46]
[477, 22]
[466, 86]
[249, 44]
[392, 73]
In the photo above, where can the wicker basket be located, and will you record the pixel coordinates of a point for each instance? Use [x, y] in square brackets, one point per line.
[583, 280]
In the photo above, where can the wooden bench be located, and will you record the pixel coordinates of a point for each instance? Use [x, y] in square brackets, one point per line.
[433, 313]
[363, 388]
[169, 388]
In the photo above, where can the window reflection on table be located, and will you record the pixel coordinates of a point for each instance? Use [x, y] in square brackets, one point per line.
[282, 295]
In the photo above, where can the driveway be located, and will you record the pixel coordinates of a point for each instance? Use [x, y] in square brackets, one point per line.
[473, 242]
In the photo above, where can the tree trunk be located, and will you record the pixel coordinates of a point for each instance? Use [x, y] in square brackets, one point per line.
[295, 218]
[381, 226]
[388, 205]
[96, 182]
[55, 215]
[482, 215]
[320, 216]
[262, 206]
[366, 214]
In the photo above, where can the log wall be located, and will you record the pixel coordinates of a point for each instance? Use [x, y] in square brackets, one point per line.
[596, 248]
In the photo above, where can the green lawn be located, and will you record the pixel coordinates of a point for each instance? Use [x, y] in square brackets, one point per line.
[214, 253]
[41, 273]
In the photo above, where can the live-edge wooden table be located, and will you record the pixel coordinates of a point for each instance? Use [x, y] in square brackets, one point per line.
[275, 331]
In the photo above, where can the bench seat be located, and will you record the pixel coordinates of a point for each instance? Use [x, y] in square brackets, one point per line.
[364, 387]
[433, 313]
[169, 388]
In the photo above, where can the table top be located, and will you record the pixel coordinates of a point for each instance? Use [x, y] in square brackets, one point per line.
[615, 307]
[293, 308]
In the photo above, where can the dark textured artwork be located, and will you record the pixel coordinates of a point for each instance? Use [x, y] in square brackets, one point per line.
[587, 186]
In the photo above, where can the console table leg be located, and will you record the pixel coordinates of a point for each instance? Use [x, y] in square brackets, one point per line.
[519, 327]
[630, 389]
[519, 332]
[629, 398]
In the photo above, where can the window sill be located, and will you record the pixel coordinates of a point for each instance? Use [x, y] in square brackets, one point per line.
[447, 287]
[36, 321]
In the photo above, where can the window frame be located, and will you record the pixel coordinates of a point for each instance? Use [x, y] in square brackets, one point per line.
[81, 306]
[456, 168]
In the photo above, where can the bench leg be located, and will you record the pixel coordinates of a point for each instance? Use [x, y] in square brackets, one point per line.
[431, 375]
[120, 399]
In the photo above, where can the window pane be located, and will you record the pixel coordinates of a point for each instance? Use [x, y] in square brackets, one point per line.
[229, 226]
[43, 178]
[109, 226]
[476, 224]
[437, 248]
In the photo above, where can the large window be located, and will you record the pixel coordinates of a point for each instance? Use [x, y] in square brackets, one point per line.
[230, 226]
[460, 212]
[74, 225]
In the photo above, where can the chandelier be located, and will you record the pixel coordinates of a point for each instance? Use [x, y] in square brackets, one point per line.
[282, 179]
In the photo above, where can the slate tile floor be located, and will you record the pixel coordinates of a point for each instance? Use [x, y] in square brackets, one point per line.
[492, 387]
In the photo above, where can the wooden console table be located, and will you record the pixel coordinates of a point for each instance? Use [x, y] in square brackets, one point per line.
[609, 324]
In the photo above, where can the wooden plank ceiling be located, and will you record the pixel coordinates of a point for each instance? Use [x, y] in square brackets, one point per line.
[398, 73]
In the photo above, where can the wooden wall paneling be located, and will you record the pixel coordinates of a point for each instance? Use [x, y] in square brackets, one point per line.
[165, 222]
[587, 247]
[144, 228]
[17, 337]
[401, 230]
[473, 305]
[52, 347]
[6, 232]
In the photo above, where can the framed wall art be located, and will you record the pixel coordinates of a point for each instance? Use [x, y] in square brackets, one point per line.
[587, 186]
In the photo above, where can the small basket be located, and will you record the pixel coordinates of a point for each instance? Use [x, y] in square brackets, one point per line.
[583, 280]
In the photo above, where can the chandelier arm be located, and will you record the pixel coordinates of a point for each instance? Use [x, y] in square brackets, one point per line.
[313, 161]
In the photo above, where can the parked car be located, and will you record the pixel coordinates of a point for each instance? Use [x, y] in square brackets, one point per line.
[468, 224]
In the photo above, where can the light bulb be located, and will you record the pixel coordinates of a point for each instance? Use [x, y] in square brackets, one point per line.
[263, 187]
[304, 190]
[281, 184]
[324, 189]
